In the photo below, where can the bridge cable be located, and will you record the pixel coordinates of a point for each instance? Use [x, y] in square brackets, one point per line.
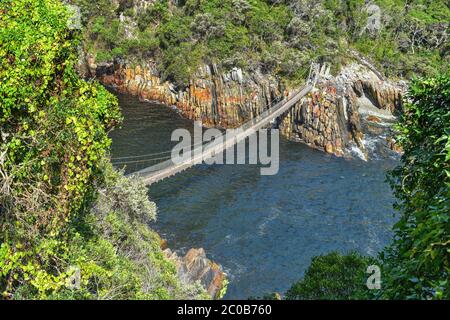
[192, 146]
[155, 154]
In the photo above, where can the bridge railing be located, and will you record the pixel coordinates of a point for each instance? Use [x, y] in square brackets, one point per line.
[227, 140]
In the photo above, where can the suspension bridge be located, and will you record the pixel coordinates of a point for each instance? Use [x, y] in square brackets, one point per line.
[199, 153]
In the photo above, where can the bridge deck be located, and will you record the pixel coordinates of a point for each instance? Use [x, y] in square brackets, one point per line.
[168, 168]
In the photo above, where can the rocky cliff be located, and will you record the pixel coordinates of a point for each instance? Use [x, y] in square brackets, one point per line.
[335, 118]
[196, 267]
[218, 99]
[346, 110]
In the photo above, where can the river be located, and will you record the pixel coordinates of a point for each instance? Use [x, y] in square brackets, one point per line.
[263, 230]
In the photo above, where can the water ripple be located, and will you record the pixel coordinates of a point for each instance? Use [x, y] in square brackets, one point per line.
[264, 230]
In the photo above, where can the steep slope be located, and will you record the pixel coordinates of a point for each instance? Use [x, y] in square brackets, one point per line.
[223, 62]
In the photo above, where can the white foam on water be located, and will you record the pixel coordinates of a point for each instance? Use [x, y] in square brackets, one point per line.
[372, 145]
[275, 213]
[356, 151]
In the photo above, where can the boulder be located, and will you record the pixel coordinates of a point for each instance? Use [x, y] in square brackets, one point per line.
[196, 267]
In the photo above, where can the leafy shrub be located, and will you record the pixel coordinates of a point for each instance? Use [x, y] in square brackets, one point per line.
[158, 12]
[418, 261]
[120, 241]
[54, 130]
[60, 237]
[54, 125]
[333, 277]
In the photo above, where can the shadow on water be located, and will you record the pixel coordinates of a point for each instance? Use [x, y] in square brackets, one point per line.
[263, 230]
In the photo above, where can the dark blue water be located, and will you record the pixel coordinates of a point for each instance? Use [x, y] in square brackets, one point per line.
[263, 230]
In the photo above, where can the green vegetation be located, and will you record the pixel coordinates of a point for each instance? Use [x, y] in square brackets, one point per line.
[418, 261]
[333, 277]
[417, 264]
[276, 37]
[60, 237]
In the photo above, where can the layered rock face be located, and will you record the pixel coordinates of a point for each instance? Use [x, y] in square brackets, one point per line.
[334, 118]
[227, 100]
[344, 110]
[217, 99]
[195, 267]
[318, 122]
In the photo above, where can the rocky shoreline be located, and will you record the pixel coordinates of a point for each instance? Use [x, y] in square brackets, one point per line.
[345, 109]
[334, 118]
[195, 267]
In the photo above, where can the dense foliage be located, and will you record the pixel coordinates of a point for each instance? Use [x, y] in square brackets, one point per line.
[58, 237]
[279, 37]
[418, 262]
[333, 277]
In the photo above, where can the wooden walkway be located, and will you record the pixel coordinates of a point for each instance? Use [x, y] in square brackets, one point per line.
[168, 168]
